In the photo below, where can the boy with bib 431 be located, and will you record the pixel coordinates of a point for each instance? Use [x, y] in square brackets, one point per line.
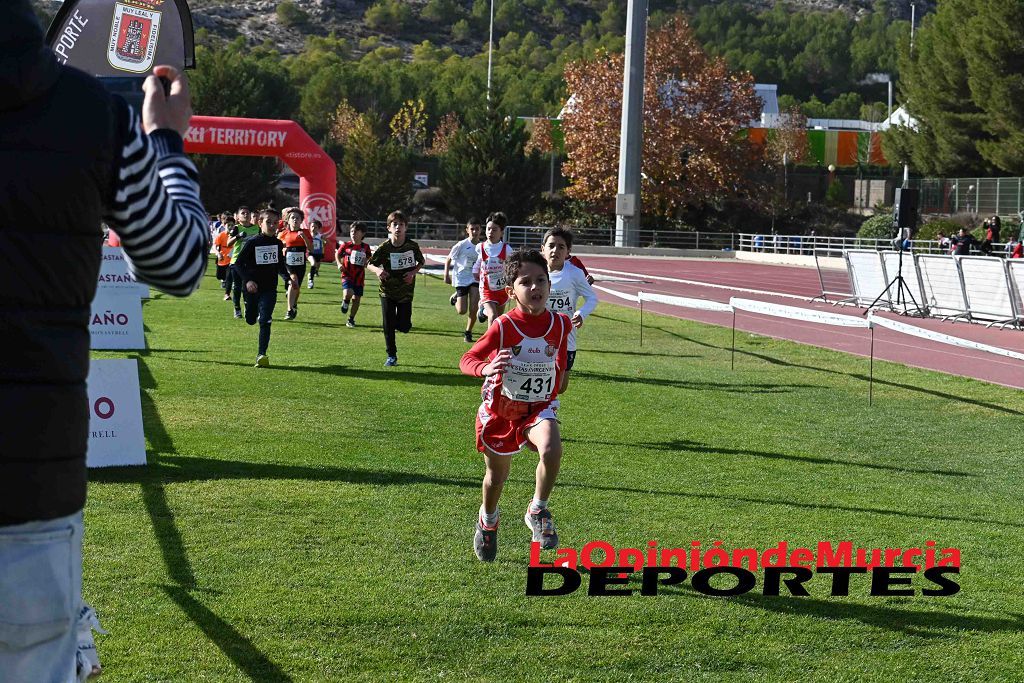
[522, 358]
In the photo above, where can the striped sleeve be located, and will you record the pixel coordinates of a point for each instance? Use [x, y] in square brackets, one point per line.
[157, 212]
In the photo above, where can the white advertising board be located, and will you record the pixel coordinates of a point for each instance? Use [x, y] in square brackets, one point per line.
[115, 321]
[116, 437]
[115, 275]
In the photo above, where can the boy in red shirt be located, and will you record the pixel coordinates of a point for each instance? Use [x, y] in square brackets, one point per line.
[491, 256]
[522, 357]
[352, 258]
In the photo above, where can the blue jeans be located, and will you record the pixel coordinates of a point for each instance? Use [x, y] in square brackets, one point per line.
[260, 307]
[40, 597]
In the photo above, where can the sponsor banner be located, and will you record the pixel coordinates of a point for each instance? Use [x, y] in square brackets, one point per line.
[322, 207]
[794, 313]
[940, 337]
[115, 274]
[684, 302]
[115, 321]
[116, 436]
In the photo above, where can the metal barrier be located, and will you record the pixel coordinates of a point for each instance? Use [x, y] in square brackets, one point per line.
[836, 285]
[975, 288]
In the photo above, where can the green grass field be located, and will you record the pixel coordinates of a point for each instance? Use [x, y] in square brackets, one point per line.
[313, 521]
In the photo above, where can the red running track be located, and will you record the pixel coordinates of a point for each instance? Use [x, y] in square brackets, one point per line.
[719, 280]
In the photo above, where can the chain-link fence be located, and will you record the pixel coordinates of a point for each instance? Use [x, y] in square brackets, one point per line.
[998, 196]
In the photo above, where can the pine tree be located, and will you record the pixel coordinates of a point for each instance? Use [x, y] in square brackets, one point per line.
[374, 177]
[486, 169]
[935, 90]
[995, 62]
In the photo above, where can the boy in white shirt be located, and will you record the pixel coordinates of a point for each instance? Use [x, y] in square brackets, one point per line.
[568, 284]
[464, 276]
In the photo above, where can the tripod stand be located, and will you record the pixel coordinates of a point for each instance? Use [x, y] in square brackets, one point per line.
[899, 282]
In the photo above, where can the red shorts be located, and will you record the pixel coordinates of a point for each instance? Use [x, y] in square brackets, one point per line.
[500, 297]
[502, 436]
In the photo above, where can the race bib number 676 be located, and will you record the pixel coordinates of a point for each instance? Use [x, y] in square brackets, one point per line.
[266, 255]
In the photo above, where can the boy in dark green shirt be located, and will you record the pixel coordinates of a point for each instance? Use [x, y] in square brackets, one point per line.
[396, 263]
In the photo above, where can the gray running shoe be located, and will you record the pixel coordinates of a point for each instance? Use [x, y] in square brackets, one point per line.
[485, 542]
[481, 316]
[350, 323]
[344, 307]
[391, 362]
[238, 313]
[543, 528]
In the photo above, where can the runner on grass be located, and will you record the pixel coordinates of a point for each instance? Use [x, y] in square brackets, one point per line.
[463, 256]
[352, 257]
[568, 285]
[223, 252]
[492, 254]
[316, 252]
[260, 264]
[522, 358]
[236, 240]
[297, 244]
[396, 263]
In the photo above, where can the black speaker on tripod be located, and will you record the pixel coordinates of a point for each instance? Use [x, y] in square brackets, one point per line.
[904, 209]
[904, 223]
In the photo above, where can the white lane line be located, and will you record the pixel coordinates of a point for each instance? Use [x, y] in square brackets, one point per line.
[703, 284]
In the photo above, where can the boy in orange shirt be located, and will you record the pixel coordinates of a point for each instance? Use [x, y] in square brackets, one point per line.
[223, 251]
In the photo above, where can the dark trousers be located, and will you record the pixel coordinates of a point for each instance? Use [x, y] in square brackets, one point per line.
[397, 317]
[237, 284]
[260, 307]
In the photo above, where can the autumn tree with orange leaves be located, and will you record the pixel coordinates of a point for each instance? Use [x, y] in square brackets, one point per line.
[694, 114]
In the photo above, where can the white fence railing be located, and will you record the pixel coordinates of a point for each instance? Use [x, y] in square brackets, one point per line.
[807, 245]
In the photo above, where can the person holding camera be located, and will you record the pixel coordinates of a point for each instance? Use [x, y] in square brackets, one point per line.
[72, 156]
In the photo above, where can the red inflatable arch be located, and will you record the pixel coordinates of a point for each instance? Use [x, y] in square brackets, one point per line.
[288, 142]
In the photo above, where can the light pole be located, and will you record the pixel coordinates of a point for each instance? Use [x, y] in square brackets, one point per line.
[627, 201]
[490, 51]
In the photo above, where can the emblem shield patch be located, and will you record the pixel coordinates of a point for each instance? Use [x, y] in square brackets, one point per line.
[134, 33]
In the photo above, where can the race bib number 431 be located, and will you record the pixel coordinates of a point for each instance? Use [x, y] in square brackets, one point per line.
[266, 255]
[495, 281]
[402, 261]
[528, 382]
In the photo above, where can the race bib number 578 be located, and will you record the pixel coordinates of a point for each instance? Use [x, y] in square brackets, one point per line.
[406, 259]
